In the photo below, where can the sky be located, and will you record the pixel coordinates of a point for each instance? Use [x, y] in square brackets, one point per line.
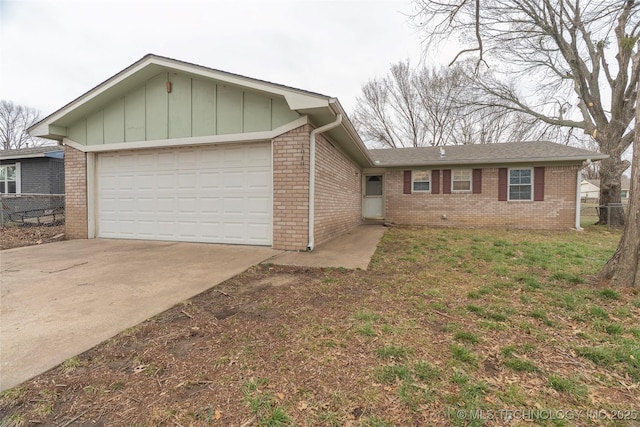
[52, 51]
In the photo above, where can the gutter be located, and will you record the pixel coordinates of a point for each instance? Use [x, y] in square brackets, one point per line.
[312, 175]
[335, 106]
[585, 164]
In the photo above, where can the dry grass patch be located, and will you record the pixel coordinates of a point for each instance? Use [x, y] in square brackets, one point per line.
[445, 324]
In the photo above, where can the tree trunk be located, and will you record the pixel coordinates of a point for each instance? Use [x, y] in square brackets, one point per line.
[611, 170]
[623, 269]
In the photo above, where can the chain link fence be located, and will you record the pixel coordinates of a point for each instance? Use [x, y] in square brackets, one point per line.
[590, 212]
[31, 209]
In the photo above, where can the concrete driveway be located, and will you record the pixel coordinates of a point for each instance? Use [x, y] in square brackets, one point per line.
[61, 299]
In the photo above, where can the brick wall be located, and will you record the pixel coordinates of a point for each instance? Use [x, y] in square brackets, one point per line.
[338, 192]
[75, 181]
[557, 211]
[291, 189]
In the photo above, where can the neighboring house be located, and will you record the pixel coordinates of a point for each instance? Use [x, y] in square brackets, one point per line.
[168, 150]
[590, 188]
[625, 185]
[38, 170]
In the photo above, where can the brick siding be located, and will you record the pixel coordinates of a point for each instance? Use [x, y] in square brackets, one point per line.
[75, 181]
[557, 211]
[291, 189]
[338, 193]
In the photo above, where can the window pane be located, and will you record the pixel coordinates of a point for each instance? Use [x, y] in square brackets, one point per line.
[420, 186]
[461, 185]
[520, 192]
[421, 175]
[462, 175]
[1, 187]
[520, 176]
[12, 187]
[374, 186]
[11, 173]
[421, 181]
[3, 172]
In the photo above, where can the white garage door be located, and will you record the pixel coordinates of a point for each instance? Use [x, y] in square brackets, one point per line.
[216, 194]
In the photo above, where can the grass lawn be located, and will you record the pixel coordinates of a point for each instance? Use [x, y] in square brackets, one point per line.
[447, 327]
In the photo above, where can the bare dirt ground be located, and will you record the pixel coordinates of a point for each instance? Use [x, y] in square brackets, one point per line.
[448, 327]
[27, 235]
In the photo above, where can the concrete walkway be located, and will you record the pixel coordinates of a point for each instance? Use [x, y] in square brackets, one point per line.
[351, 250]
[61, 299]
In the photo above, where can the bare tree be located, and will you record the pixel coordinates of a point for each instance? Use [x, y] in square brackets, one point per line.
[388, 113]
[623, 269]
[422, 107]
[14, 122]
[578, 61]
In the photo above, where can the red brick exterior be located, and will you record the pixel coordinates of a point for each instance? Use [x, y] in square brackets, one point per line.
[557, 211]
[338, 196]
[75, 185]
[338, 192]
[291, 189]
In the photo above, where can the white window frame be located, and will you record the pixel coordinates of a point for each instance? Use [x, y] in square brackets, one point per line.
[530, 199]
[413, 181]
[470, 180]
[18, 178]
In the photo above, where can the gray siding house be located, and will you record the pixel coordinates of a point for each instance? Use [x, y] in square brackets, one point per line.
[31, 171]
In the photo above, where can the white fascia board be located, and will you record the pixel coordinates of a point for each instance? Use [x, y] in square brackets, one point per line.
[101, 88]
[198, 140]
[26, 156]
[49, 132]
[527, 161]
[296, 100]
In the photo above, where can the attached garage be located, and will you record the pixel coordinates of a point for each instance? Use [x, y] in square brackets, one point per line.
[172, 151]
[210, 193]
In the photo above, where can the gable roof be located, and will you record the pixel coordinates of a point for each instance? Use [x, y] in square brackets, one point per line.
[514, 152]
[320, 109]
[53, 151]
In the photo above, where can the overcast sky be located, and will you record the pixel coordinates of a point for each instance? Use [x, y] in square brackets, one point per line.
[52, 51]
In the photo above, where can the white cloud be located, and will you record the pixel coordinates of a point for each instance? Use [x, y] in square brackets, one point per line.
[53, 51]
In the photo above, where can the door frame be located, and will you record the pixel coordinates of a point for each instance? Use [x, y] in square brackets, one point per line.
[364, 194]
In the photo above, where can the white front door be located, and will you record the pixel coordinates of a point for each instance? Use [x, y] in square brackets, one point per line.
[373, 197]
[212, 194]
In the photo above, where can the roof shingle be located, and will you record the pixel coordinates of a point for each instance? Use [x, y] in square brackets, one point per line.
[513, 152]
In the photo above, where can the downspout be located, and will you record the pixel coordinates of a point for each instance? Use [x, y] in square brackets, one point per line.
[579, 193]
[312, 174]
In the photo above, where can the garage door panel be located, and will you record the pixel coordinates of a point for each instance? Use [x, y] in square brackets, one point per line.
[234, 180]
[210, 206]
[234, 156]
[145, 181]
[258, 180]
[187, 181]
[259, 234]
[217, 194]
[210, 180]
[165, 205]
[259, 206]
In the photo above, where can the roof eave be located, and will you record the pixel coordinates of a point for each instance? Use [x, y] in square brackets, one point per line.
[447, 162]
[28, 156]
[362, 154]
[297, 99]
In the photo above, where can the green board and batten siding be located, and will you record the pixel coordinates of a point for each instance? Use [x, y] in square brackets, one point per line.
[194, 107]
